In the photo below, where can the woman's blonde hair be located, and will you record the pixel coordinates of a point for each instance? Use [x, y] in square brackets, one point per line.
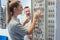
[10, 8]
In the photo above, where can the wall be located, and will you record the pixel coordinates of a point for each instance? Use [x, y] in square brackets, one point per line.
[58, 20]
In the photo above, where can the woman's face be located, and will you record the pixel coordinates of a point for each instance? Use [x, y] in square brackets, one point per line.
[20, 9]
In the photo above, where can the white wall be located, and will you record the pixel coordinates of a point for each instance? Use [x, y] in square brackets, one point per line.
[58, 21]
[26, 3]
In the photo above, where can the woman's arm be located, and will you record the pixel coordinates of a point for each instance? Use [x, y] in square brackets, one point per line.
[36, 16]
[30, 29]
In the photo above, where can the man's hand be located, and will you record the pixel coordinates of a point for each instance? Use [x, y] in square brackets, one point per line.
[26, 21]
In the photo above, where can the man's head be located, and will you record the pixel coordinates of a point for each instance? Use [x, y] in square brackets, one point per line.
[27, 11]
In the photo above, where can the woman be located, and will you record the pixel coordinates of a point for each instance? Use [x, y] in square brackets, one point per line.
[16, 30]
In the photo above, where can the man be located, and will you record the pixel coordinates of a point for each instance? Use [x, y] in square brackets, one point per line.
[26, 21]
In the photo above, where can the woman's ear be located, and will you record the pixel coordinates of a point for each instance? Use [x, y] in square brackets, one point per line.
[15, 9]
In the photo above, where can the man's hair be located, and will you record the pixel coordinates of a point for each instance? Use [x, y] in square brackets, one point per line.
[26, 7]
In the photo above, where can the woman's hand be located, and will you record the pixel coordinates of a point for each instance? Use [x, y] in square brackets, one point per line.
[37, 15]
